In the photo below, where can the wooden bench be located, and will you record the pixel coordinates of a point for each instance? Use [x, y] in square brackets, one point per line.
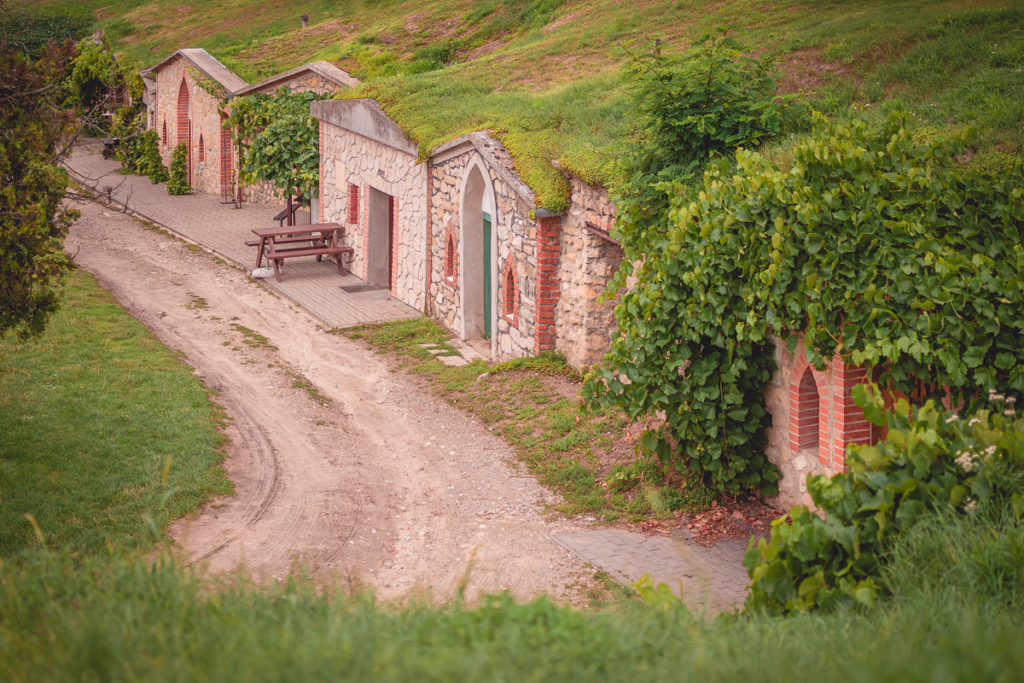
[276, 255]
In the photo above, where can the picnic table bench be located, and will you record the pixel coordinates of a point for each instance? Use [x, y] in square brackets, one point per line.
[278, 244]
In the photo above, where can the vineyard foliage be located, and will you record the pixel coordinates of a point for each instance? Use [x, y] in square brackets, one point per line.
[880, 243]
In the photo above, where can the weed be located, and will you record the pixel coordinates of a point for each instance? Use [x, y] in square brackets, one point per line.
[253, 339]
[300, 382]
[196, 303]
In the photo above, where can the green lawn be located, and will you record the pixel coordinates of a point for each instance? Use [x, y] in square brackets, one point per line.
[107, 436]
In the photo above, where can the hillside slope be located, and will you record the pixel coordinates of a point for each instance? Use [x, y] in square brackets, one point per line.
[545, 75]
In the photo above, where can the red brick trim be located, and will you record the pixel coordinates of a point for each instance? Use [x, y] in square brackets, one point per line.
[509, 287]
[353, 204]
[549, 228]
[362, 218]
[430, 240]
[393, 237]
[320, 177]
[451, 257]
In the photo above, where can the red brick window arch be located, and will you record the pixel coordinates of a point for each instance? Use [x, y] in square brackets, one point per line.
[804, 412]
[202, 149]
[353, 204]
[510, 294]
[451, 257]
[163, 136]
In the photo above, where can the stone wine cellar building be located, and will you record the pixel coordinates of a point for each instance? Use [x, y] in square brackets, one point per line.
[456, 233]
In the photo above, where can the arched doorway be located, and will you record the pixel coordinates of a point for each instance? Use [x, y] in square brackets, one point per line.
[185, 125]
[478, 252]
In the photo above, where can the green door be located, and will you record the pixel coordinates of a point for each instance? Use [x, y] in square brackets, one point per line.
[487, 276]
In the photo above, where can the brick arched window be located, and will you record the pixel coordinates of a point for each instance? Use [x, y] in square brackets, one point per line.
[353, 204]
[449, 258]
[804, 412]
[510, 294]
[202, 149]
[163, 136]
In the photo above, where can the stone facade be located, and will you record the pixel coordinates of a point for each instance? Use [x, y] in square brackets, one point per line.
[469, 176]
[589, 259]
[359, 173]
[185, 111]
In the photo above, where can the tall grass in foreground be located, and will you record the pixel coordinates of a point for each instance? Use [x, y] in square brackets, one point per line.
[957, 617]
[106, 436]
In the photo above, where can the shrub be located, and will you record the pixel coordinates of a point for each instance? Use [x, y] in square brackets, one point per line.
[149, 161]
[932, 462]
[178, 183]
[878, 243]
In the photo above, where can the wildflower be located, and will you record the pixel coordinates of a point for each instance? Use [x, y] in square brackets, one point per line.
[997, 397]
[972, 505]
[951, 419]
[1009, 411]
[965, 459]
[990, 450]
[1010, 400]
[973, 421]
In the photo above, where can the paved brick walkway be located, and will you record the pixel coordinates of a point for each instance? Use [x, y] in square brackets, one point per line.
[223, 229]
[711, 579]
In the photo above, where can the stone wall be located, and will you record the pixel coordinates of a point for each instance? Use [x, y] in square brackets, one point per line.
[204, 113]
[306, 81]
[349, 159]
[513, 235]
[589, 259]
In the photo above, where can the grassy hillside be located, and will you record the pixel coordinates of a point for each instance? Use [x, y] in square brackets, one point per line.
[545, 75]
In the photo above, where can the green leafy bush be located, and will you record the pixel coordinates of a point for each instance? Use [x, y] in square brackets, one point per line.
[877, 243]
[178, 182]
[932, 462]
[277, 140]
[150, 163]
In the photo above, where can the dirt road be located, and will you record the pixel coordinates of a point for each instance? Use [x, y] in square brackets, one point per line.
[339, 464]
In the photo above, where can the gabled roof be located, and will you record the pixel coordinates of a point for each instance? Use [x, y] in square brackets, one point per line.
[492, 152]
[326, 70]
[206, 63]
[365, 118]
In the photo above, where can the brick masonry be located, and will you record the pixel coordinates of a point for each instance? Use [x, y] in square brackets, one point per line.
[814, 419]
[191, 114]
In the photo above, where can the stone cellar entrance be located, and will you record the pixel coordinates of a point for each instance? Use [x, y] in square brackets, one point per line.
[478, 254]
[380, 240]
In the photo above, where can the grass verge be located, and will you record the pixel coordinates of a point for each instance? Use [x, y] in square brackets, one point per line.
[107, 436]
[128, 619]
[585, 456]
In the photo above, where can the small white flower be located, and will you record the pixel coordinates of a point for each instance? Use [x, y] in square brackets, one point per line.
[1010, 400]
[990, 450]
[973, 421]
[1009, 411]
[972, 505]
[965, 459]
[951, 419]
[997, 397]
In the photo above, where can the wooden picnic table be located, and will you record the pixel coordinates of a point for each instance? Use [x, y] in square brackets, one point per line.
[280, 243]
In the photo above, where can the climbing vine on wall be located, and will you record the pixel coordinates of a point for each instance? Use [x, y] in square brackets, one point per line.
[277, 140]
[212, 87]
[878, 243]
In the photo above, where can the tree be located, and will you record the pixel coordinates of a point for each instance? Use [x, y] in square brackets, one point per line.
[33, 221]
[277, 141]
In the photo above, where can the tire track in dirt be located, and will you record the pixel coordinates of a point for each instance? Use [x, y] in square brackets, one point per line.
[339, 464]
